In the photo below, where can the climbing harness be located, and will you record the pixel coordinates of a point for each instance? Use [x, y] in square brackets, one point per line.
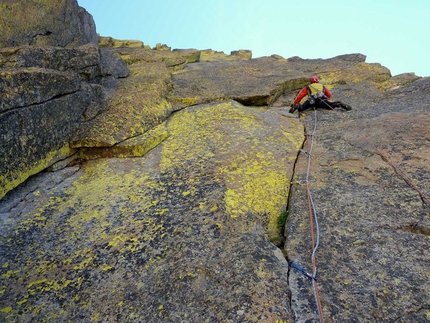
[315, 93]
[313, 216]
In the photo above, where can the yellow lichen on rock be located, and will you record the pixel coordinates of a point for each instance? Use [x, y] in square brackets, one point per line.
[10, 181]
[134, 147]
[244, 147]
[137, 106]
[115, 43]
[209, 55]
[360, 72]
[89, 225]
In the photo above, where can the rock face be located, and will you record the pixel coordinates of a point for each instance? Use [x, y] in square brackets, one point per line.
[369, 180]
[112, 42]
[46, 91]
[48, 23]
[170, 236]
[173, 206]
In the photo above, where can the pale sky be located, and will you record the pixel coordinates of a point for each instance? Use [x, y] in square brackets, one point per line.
[394, 33]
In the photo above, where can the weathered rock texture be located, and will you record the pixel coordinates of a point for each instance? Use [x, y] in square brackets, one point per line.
[178, 235]
[171, 209]
[112, 42]
[45, 22]
[370, 182]
[46, 91]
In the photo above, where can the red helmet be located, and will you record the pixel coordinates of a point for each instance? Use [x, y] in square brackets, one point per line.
[315, 79]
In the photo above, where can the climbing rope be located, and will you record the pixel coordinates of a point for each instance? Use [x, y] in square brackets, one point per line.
[313, 217]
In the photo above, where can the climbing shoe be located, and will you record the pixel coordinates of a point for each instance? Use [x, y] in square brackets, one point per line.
[294, 107]
[346, 106]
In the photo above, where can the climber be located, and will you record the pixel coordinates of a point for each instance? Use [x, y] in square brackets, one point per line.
[318, 97]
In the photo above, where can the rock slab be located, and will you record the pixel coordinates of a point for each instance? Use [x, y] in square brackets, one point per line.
[180, 234]
[45, 23]
[171, 207]
[369, 181]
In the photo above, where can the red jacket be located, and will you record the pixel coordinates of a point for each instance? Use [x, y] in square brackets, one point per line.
[304, 92]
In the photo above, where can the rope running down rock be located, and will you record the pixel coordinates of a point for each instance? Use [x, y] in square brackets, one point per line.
[314, 229]
[313, 216]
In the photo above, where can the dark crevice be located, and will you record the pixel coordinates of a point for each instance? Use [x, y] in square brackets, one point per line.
[411, 312]
[424, 198]
[415, 228]
[27, 183]
[258, 100]
[63, 162]
[46, 33]
[58, 96]
[284, 230]
[373, 150]
[166, 121]
[83, 156]
[292, 182]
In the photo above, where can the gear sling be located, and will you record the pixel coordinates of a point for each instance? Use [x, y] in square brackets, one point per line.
[315, 92]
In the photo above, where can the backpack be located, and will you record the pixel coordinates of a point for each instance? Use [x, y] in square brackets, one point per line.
[316, 91]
